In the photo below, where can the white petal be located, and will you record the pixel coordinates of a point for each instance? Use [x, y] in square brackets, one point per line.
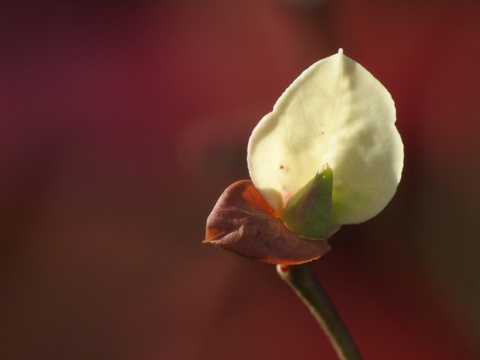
[335, 112]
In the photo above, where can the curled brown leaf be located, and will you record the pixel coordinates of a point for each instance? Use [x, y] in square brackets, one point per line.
[244, 223]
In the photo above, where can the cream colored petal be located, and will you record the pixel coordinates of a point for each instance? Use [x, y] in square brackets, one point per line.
[335, 112]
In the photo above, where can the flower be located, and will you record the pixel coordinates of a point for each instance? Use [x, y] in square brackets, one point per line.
[328, 154]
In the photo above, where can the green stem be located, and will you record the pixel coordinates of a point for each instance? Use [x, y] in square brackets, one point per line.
[303, 281]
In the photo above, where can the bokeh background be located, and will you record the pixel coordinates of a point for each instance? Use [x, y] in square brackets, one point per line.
[122, 122]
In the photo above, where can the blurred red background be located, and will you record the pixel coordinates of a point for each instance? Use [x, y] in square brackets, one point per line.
[121, 124]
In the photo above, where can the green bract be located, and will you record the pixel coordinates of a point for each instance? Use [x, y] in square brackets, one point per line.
[308, 212]
[334, 113]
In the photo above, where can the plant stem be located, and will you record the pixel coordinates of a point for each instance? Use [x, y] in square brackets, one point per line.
[303, 281]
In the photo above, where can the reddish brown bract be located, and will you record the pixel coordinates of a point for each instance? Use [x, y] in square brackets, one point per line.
[244, 223]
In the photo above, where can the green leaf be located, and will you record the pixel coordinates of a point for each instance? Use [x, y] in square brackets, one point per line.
[309, 211]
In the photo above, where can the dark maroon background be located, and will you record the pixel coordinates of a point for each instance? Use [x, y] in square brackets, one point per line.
[122, 122]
